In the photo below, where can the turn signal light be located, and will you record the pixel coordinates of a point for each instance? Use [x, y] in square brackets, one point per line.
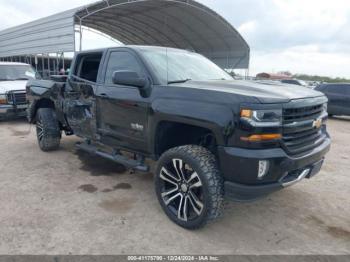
[260, 138]
[246, 113]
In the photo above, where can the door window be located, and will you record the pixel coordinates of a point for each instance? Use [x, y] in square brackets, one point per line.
[87, 66]
[337, 89]
[121, 61]
[347, 89]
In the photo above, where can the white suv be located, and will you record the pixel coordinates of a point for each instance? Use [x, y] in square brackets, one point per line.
[13, 80]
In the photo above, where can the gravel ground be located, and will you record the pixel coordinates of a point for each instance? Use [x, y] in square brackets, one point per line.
[67, 202]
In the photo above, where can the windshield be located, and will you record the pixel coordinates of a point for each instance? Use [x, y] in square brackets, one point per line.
[16, 72]
[179, 66]
[303, 83]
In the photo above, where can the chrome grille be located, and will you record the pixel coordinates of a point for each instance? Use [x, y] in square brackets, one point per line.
[301, 114]
[17, 97]
[299, 132]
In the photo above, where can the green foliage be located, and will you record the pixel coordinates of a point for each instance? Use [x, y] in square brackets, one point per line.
[321, 78]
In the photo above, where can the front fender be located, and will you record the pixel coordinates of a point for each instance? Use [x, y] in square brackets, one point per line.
[214, 117]
[39, 91]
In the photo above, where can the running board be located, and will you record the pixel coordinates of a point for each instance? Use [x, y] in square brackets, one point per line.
[138, 165]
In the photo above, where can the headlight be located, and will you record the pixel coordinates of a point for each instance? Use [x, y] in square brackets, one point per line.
[3, 99]
[266, 118]
[263, 116]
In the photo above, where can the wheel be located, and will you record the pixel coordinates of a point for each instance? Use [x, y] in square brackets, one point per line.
[47, 129]
[189, 186]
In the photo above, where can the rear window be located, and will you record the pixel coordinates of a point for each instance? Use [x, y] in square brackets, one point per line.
[321, 88]
[87, 66]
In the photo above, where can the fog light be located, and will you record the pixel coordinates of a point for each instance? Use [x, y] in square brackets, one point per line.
[264, 166]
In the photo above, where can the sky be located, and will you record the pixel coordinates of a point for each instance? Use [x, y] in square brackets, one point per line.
[300, 36]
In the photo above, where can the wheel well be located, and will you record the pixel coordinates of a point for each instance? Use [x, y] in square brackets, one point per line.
[172, 134]
[42, 103]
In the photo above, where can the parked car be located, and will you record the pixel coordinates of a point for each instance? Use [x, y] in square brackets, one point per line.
[13, 80]
[294, 82]
[213, 136]
[338, 96]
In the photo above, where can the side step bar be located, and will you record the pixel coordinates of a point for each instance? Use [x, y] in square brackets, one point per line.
[138, 165]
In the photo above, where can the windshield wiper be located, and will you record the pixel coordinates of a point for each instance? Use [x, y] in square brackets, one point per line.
[179, 81]
[21, 78]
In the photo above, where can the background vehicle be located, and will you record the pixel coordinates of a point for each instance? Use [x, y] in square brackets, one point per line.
[212, 136]
[294, 82]
[338, 96]
[13, 79]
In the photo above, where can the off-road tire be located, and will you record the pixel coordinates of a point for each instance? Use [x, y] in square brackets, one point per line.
[47, 129]
[204, 163]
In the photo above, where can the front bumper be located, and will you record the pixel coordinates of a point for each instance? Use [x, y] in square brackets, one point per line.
[240, 168]
[10, 111]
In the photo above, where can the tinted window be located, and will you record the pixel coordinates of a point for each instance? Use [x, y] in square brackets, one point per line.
[322, 88]
[338, 89]
[121, 61]
[347, 89]
[87, 66]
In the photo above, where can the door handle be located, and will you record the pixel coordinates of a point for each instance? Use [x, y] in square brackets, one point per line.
[103, 95]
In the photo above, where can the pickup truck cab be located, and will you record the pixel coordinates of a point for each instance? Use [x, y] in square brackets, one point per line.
[212, 136]
[13, 80]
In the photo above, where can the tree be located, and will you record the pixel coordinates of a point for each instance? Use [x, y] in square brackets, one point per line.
[321, 78]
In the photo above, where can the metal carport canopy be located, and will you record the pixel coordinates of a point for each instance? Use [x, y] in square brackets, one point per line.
[184, 24]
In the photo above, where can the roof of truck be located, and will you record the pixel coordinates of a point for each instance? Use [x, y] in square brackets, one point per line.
[137, 47]
[146, 47]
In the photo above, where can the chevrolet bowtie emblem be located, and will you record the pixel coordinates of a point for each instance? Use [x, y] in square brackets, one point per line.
[317, 123]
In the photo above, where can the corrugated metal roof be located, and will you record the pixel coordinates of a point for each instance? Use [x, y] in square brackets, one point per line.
[48, 35]
[12, 64]
[183, 24]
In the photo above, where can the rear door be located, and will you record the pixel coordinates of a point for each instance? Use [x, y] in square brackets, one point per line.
[122, 118]
[79, 102]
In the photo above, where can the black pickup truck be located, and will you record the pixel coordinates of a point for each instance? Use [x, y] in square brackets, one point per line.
[212, 136]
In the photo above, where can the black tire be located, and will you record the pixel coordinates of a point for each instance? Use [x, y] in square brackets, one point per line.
[199, 194]
[47, 129]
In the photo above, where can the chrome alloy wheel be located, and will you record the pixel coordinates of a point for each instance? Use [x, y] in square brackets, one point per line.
[181, 190]
[39, 130]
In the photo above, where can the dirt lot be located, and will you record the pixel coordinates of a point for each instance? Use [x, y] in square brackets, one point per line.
[71, 203]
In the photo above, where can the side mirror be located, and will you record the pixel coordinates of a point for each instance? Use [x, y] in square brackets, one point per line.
[129, 78]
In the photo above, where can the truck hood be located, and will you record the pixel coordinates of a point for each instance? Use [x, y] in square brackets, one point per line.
[263, 92]
[6, 86]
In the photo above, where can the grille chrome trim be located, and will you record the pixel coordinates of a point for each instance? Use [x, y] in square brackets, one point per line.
[300, 134]
[16, 97]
